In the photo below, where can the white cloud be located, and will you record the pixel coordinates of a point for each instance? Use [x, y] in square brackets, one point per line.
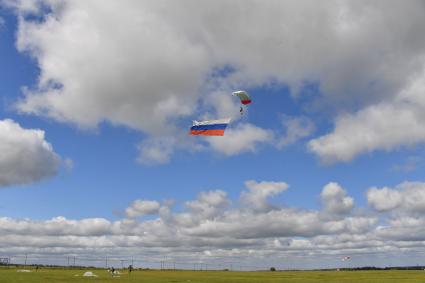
[207, 222]
[129, 80]
[241, 232]
[407, 198]
[258, 193]
[25, 6]
[402, 209]
[335, 199]
[26, 156]
[386, 126]
[278, 223]
[223, 103]
[142, 207]
[155, 150]
[208, 204]
[384, 199]
[404, 230]
[56, 226]
[296, 129]
[153, 62]
[244, 137]
[241, 138]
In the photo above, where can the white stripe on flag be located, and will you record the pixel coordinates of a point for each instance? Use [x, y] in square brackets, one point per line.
[211, 122]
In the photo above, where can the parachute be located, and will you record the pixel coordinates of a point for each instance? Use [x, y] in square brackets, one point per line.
[217, 127]
[244, 97]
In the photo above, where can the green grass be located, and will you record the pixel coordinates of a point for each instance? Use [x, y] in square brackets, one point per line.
[153, 276]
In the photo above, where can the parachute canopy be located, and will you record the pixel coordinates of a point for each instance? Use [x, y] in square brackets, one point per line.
[209, 127]
[243, 96]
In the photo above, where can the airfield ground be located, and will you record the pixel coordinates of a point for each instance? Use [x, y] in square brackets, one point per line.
[153, 276]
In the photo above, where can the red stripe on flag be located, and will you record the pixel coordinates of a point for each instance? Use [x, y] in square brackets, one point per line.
[207, 132]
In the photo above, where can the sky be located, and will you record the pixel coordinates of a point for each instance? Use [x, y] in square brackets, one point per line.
[326, 162]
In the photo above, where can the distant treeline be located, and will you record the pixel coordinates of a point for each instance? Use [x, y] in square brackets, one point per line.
[416, 267]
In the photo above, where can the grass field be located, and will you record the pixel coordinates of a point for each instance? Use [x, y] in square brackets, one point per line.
[62, 275]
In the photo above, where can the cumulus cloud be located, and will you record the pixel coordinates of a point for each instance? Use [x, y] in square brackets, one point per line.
[335, 199]
[408, 197]
[155, 150]
[142, 207]
[242, 138]
[402, 209]
[384, 199]
[296, 129]
[207, 223]
[235, 231]
[26, 156]
[258, 193]
[24, 6]
[128, 81]
[387, 125]
[209, 204]
[223, 104]
[151, 64]
[56, 227]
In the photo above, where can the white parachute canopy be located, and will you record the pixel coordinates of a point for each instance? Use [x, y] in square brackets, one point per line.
[243, 96]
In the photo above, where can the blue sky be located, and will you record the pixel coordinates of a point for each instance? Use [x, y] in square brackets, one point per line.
[95, 113]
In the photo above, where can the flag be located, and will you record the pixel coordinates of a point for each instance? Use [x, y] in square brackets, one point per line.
[209, 127]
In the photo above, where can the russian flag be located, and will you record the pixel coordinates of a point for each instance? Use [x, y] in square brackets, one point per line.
[209, 128]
